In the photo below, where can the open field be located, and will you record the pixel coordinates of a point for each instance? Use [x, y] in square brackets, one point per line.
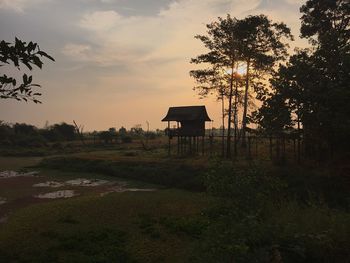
[155, 208]
[158, 225]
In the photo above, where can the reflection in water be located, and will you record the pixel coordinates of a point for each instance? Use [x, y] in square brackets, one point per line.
[121, 189]
[86, 182]
[10, 174]
[2, 200]
[52, 184]
[57, 194]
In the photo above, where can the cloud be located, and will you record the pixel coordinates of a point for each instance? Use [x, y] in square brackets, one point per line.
[76, 51]
[166, 36]
[115, 58]
[100, 20]
[18, 5]
[296, 2]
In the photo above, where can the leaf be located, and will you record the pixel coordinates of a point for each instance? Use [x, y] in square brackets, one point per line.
[25, 79]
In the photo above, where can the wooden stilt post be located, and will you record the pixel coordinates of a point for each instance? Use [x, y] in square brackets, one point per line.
[190, 144]
[169, 135]
[182, 145]
[283, 149]
[299, 149]
[203, 145]
[178, 138]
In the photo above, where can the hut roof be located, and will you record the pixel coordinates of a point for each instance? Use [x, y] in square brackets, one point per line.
[187, 113]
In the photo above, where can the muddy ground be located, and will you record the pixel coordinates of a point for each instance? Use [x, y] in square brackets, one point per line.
[18, 190]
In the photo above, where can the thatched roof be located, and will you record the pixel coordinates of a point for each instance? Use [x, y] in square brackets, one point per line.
[187, 113]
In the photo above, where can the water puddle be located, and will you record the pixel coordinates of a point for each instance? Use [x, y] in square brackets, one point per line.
[11, 174]
[75, 182]
[122, 189]
[86, 182]
[2, 200]
[57, 194]
[52, 184]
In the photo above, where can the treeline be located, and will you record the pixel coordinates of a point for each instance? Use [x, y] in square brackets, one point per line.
[21, 134]
[26, 135]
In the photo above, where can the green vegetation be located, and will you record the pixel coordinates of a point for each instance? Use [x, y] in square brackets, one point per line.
[261, 218]
[20, 54]
[203, 209]
[248, 212]
[171, 174]
[120, 227]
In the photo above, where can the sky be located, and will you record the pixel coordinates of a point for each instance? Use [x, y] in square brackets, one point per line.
[120, 62]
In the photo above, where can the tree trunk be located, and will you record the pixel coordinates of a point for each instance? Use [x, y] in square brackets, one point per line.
[235, 121]
[228, 146]
[245, 106]
[223, 123]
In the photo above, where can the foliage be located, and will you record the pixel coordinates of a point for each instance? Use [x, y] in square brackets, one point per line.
[312, 88]
[274, 116]
[119, 227]
[255, 41]
[167, 174]
[106, 136]
[26, 135]
[256, 219]
[19, 53]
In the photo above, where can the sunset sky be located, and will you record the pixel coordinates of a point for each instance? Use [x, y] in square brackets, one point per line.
[120, 62]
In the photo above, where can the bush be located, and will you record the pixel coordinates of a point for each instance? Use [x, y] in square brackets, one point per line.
[126, 139]
[254, 220]
[167, 174]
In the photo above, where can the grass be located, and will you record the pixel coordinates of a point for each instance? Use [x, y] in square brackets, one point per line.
[17, 163]
[121, 227]
[299, 213]
[176, 174]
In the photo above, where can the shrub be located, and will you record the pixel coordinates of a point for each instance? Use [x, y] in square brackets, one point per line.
[126, 139]
[254, 220]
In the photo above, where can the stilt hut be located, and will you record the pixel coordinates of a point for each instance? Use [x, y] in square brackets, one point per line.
[190, 126]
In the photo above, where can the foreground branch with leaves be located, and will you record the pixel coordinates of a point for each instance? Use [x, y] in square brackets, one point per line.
[18, 54]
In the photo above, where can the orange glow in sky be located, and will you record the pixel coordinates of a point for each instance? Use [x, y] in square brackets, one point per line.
[120, 63]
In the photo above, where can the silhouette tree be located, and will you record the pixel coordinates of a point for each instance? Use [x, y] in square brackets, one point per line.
[315, 83]
[213, 81]
[223, 55]
[261, 47]
[20, 53]
[254, 40]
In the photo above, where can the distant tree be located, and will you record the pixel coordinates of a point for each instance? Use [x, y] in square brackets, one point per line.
[60, 132]
[112, 130]
[106, 136]
[122, 131]
[20, 53]
[137, 130]
[79, 129]
[24, 128]
[6, 132]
